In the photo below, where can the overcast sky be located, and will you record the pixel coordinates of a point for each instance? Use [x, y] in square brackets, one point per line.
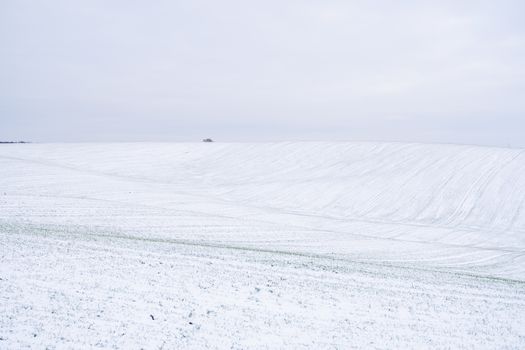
[425, 71]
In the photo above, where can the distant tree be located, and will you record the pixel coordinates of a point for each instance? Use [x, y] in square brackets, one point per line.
[207, 140]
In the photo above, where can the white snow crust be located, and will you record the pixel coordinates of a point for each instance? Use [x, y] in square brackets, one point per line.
[262, 246]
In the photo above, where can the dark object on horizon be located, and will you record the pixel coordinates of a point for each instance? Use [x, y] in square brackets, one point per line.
[207, 140]
[14, 142]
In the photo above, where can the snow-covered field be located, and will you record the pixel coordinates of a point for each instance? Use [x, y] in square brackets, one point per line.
[261, 246]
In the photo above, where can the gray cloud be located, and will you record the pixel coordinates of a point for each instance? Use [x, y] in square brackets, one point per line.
[447, 71]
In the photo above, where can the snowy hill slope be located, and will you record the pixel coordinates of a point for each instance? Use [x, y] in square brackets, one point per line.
[356, 221]
[472, 190]
[428, 184]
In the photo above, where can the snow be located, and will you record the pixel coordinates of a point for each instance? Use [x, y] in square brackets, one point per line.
[261, 246]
